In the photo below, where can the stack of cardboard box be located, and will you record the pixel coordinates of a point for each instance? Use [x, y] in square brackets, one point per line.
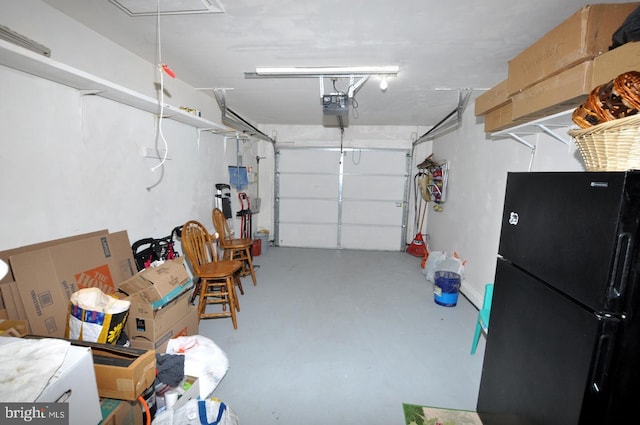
[558, 71]
[43, 276]
[35, 300]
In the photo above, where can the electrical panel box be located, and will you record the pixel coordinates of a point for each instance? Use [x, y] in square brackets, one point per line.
[335, 104]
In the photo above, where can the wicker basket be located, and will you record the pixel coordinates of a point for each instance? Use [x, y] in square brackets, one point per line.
[610, 146]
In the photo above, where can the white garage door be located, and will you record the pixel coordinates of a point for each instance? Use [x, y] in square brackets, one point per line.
[355, 199]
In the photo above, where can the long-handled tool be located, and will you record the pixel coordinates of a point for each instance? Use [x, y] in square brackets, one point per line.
[417, 247]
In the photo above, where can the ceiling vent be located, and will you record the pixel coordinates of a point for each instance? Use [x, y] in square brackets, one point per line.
[168, 7]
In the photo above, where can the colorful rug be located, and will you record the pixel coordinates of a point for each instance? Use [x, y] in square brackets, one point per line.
[426, 415]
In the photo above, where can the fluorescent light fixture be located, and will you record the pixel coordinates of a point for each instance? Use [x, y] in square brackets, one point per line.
[327, 71]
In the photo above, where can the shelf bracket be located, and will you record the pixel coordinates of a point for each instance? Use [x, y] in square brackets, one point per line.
[517, 138]
[552, 133]
[85, 92]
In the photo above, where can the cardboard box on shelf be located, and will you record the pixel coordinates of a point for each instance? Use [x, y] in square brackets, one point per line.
[493, 98]
[558, 93]
[583, 36]
[152, 329]
[622, 59]
[122, 373]
[47, 277]
[500, 118]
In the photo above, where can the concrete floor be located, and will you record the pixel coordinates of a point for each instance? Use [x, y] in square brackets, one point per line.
[344, 337]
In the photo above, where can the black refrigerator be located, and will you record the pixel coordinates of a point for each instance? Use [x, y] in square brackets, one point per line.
[563, 346]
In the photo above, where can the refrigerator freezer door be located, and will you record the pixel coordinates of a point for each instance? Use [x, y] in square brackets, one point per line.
[575, 231]
[538, 357]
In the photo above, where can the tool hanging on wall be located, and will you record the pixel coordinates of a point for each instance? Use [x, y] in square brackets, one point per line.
[436, 184]
[245, 216]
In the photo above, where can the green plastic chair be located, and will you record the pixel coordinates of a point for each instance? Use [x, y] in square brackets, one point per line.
[482, 324]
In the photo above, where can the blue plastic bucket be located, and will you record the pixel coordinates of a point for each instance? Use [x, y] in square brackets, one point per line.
[445, 288]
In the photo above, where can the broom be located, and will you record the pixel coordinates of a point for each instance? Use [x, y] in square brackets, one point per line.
[417, 247]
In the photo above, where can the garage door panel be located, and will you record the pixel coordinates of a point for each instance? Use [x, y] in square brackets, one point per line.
[360, 212]
[372, 162]
[308, 211]
[371, 238]
[308, 161]
[309, 186]
[309, 235]
[356, 204]
[374, 187]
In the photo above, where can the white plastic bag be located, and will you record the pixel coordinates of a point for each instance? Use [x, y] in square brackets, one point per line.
[441, 261]
[198, 412]
[433, 261]
[452, 264]
[202, 358]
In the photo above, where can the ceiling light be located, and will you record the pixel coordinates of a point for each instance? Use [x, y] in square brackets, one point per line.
[384, 84]
[324, 71]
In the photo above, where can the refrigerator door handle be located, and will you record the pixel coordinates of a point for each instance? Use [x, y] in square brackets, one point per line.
[621, 267]
[603, 354]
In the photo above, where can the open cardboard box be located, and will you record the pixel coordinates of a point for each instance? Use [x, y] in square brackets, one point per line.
[122, 373]
[157, 286]
[152, 329]
[160, 307]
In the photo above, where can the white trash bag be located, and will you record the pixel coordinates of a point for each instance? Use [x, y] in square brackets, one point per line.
[433, 261]
[198, 412]
[203, 359]
[440, 261]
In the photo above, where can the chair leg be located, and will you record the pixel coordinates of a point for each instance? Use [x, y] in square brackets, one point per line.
[236, 277]
[250, 261]
[196, 291]
[233, 303]
[202, 302]
[476, 338]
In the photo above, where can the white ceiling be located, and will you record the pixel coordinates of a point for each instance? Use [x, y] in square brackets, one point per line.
[441, 47]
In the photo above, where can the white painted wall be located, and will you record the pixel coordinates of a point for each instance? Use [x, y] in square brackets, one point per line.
[71, 164]
[471, 217]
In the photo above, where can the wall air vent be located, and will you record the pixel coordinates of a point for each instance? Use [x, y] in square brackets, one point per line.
[11, 36]
[168, 7]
